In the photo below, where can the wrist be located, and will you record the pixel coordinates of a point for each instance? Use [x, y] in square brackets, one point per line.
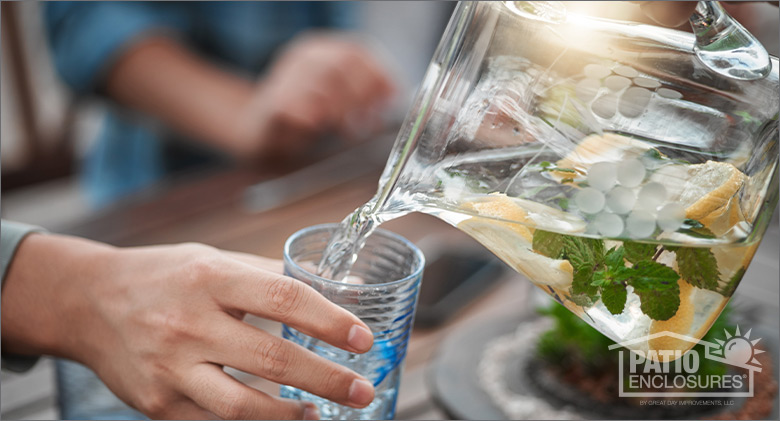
[47, 298]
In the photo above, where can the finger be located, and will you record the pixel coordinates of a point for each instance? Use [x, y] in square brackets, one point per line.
[668, 13]
[260, 262]
[244, 347]
[214, 390]
[186, 409]
[284, 299]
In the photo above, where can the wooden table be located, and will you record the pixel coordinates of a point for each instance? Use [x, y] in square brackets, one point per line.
[210, 209]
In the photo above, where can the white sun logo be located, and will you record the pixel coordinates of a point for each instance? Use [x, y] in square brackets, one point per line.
[738, 349]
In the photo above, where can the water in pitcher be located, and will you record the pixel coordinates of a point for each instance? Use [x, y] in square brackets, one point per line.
[634, 235]
[635, 198]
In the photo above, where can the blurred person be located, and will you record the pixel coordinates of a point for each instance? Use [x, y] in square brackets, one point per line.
[158, 324]
[205, 83]
[182, 82]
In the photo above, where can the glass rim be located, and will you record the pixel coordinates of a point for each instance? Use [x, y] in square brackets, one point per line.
[418, 254]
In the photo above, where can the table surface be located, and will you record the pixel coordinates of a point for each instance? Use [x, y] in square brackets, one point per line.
[209, 208]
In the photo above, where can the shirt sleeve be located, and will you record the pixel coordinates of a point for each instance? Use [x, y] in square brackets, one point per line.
[11, 235]
[86, 38]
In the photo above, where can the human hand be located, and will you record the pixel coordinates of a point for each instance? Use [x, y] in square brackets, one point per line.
[157, 324]
[320, 83]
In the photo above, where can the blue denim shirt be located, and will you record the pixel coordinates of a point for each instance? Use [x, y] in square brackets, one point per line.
[87, 37]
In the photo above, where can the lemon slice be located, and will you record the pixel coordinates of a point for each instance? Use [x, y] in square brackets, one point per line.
[701, 188]
[512, 241]
[597, 148]
[500, 206]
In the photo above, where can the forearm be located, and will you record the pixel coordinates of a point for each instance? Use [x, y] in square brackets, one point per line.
[46, 296]
[160, 77]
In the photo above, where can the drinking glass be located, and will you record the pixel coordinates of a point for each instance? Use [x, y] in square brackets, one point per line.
[382, 291]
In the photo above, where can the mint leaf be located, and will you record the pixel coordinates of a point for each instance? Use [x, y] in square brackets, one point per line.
[636, 252]
[563, 203]
[612, 279]
[613, 295]
[581, 288]
[614, 258]
[692, 223]
[656, 286]
[733, 282]
[548, 243]
[699, 267]
[695, 228]
[583, 252]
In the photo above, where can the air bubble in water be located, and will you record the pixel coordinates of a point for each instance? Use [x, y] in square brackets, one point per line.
[589, 200]
[609, 224]
[602, 175]
[630, 172]
[671, 216]
[651, 196]
[640, 224]
[621, 200]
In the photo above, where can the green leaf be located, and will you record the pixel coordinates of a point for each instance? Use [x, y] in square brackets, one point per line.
[692, 223]
[653, 153]
[695, 228]
[582, 287]
[733, 282]
[699, 267]
[548, 243]
[636, 252]
[563, 203]
[613, 295]
[583, 252]
[656, 286]
[614, 258]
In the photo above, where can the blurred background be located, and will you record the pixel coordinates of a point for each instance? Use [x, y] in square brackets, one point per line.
[48, 133]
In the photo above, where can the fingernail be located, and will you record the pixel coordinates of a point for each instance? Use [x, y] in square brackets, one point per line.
[311, 413]
[360, 338]
[361, 393]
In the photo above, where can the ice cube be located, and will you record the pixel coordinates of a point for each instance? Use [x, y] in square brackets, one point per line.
[640, 223]
[621, 200]
[630, 172]
[671, 216]
[609, 224]
[651, 196]
[589, 200]
[602, 175]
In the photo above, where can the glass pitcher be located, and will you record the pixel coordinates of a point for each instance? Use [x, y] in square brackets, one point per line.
[600, 159]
